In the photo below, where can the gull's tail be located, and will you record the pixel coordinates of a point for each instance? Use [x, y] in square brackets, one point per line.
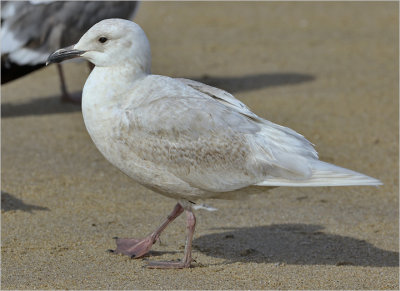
[325, 174]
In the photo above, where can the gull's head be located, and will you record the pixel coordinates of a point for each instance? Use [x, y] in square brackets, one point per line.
[110, 43]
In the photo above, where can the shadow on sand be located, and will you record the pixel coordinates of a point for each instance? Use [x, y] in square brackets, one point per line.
[38, 106]
[294, 244]
[52, 105]
[9, 202]
[253, 82]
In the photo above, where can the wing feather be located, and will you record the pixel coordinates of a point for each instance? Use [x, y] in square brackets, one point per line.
[211, 140]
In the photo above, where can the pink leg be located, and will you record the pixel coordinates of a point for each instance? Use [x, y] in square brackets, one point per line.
[137, 248]
[187, 257]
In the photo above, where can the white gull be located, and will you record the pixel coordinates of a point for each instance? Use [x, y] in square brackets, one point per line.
[182, 138]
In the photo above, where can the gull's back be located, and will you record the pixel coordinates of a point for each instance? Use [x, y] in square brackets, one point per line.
[189, 140]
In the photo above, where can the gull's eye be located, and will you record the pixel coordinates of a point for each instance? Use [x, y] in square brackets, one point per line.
[102, 39]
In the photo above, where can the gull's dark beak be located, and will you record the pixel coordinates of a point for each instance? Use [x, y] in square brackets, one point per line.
[64, 54]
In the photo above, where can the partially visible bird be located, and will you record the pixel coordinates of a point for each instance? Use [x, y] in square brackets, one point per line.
[31, 30]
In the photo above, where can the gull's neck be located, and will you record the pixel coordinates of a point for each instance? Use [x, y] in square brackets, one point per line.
[107, 84]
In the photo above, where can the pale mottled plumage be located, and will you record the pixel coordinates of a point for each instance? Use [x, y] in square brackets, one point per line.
[186, 139]
[182, 138]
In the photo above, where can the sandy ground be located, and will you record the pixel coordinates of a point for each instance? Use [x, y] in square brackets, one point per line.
[327, 70]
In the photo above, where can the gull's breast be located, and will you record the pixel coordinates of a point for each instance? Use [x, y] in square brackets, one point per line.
[120, 140]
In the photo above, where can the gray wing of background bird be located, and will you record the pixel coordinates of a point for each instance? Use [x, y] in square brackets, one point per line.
[32, 30]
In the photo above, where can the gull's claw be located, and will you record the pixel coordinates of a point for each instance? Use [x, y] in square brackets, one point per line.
[135, 248]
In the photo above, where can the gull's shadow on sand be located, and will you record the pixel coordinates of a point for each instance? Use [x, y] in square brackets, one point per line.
[38, 106]
[294, 244]
[9, 202]
[255, 81]
[52, 105]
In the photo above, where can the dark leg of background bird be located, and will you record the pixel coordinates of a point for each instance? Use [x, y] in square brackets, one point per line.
[65, 96]
[137, 248]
